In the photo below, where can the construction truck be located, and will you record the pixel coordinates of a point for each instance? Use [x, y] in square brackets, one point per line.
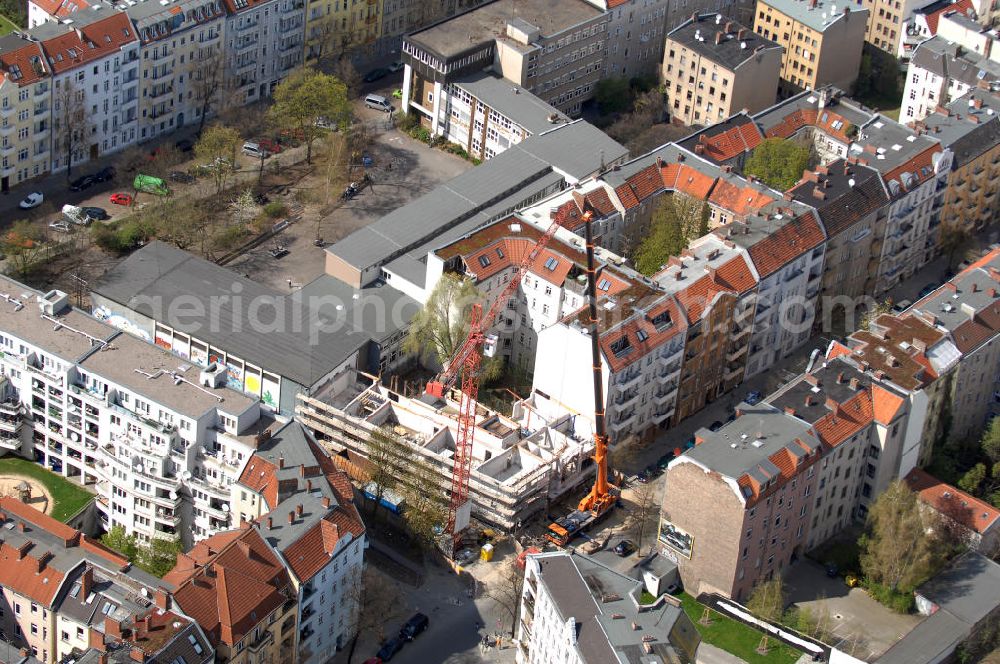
[603, 495]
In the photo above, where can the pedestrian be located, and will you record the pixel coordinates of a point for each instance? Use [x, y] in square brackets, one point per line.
[389, 166]
[289, 283]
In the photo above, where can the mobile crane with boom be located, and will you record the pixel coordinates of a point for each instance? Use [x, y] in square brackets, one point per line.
[603, 495]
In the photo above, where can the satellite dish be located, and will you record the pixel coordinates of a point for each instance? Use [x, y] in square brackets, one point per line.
[173, 495]
[225, 507]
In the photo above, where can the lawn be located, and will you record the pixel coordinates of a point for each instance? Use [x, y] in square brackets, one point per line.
[6, 26]
[735, 637]
[68, 497]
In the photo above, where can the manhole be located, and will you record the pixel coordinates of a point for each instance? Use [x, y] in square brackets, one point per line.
[837, 616]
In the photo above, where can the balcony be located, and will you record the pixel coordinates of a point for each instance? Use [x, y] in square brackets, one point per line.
[157, 92]
[261, 642]
[732, 373]
[246, 26]
[628, 380]
[623, 420]
[665, 394]
[736, 353]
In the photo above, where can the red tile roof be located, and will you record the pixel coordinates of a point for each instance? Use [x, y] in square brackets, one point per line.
[785, 244]
[259, 475]
[921, 166]
[848, 419]
[730, 143]
[237, 582]
[736, 276]
[85, 44]
[741, 201]
[599, 201]
[25, 65]
[885, 404]
[311, 552]
[811, 117]
[62, 8]
[954, 503]
[963, 6]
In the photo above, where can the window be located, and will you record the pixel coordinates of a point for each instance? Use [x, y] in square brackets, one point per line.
[484, 261]
[604, 284]
[551, 264]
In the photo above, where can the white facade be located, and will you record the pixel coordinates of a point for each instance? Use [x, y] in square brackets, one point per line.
[636, 33]
[329, 602]
[549, 638]
[264, 43]
[161, 466]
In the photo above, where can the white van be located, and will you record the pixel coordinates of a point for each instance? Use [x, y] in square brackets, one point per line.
[76, 215]
[378, 102]
[254, 150]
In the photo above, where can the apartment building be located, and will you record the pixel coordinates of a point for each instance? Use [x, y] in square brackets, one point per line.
[272, 344]
[852, 203]
[922, 23]
[485, 114]
[554, 52]
[238, 563]
[567, 208]
[574, 609]
[974, 521]
[95, 84]
[25, 111]
[823, 118]
[725, 143]
[290, 477]
[176, 41]
[714, 67]
[635, 36]
[822, 42]
[970, 128]
[158, 440]
[520, 463]
[941, 72]
[715, 286]
[264, 41]
[67, 596]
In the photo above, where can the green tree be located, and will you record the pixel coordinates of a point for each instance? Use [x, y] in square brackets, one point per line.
[217, 148]
[767, 602]
[384, 453]
[122, 542]
[24, 245]
[778, 162]
[973, 479]
[305, 97]
[675, 221]
[613, 95]
[442, 325]
[863, 86]
[159, 556]
[425, 508]
[990, 442]
[896, 551]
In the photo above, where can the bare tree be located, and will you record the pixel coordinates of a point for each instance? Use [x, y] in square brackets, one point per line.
[426, 506]
[506, 591]
[321, 37]
[767, 602]
[245, 208]
[207, 75]
[384, 451]
[644, 507]
[378, 603]
[70, 121]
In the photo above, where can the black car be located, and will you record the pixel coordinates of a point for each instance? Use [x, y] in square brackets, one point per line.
[415, 626]
[927, 290]
[376, 74]
[389, 649]
[82, 182]
[624, 548]
[96, 213]
[106, 174]
[184, 145]
[715, 426]
[182, 177]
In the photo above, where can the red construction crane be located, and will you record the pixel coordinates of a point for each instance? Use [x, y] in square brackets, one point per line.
[466, 362]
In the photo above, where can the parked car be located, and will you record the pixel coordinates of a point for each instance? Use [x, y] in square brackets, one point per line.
[254, 150]
[273, 147]
[96, 213]
[396, 66]
[106, 174]
[715, 426]
[324, 123]
[414, 627]
[184, 145]
[643, 477]
[76, 215]
[61, 226]
[376, 74]
[624, 548]
[32, 200]
[753, 397]
[81, 183]
[278, 251]
[389, 649]
[397, 93]
[379, 103]
[832, 570]
[901, 306]
[927, 290]
[182, 177]
[121, 199]
[665, 460]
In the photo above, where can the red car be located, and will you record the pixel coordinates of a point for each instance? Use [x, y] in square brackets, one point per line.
[269, 146]
[121, 199]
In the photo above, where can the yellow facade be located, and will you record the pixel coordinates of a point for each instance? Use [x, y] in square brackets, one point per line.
[25, 131]
[334, 26]
[970, 199]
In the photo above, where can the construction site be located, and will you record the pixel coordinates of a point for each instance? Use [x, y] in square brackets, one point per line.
[519, 464]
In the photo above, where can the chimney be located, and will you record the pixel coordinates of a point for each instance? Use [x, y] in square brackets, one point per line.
[992, 292]
[729, 27]
[819, 193]
[810, 176]
[20, 526]
[162, 599]
[975, 288]
[832, 404]
[809, 400]
[855, 383]
[726, 168]
[741, 34]
[812, 379]
[699, 148]
[325, 503]
[822, 170]
[270, 523]
[840, 378]
[86, 583]
[298, 510]
[291, 517]
[718, 36]
[789, 410]
[102, 658]
[22, 550]
[812, 4]
[281, 462]
[788, 196]
[112, 628]
[977, 103]
[302, 471]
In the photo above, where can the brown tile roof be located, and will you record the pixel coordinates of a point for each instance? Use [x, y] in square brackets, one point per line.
[785, 244]
[954, 503]
[739, 200]
[921, 166]
[894, 348]
[885, 404]
[236, 584]
[846, 420]
[687, 180]
[82, 45]
[640, 344]
[311, 552]
[736, 276]
[739, 134]
[811, 117]
[600, 202]
[260, 475]
[25, 65]
[62, 8]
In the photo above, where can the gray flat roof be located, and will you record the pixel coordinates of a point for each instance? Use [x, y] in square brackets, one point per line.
[969, 588]
[821, 17]
[967, 130]
[932, 641]
[744, 445]
[731, 52]
[298, 336]
[487, 22]
[574, 148]
[511, 100]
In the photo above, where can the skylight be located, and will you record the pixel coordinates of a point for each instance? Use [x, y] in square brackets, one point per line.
[551, 264]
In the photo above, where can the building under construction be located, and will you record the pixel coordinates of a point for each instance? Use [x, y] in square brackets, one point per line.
[519, 464]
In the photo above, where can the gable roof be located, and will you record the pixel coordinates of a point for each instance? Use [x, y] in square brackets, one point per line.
[952, 502]
[83, 44]
[791, 240]
[22, 61]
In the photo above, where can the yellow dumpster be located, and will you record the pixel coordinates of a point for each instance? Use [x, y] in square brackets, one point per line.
[486, 553]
